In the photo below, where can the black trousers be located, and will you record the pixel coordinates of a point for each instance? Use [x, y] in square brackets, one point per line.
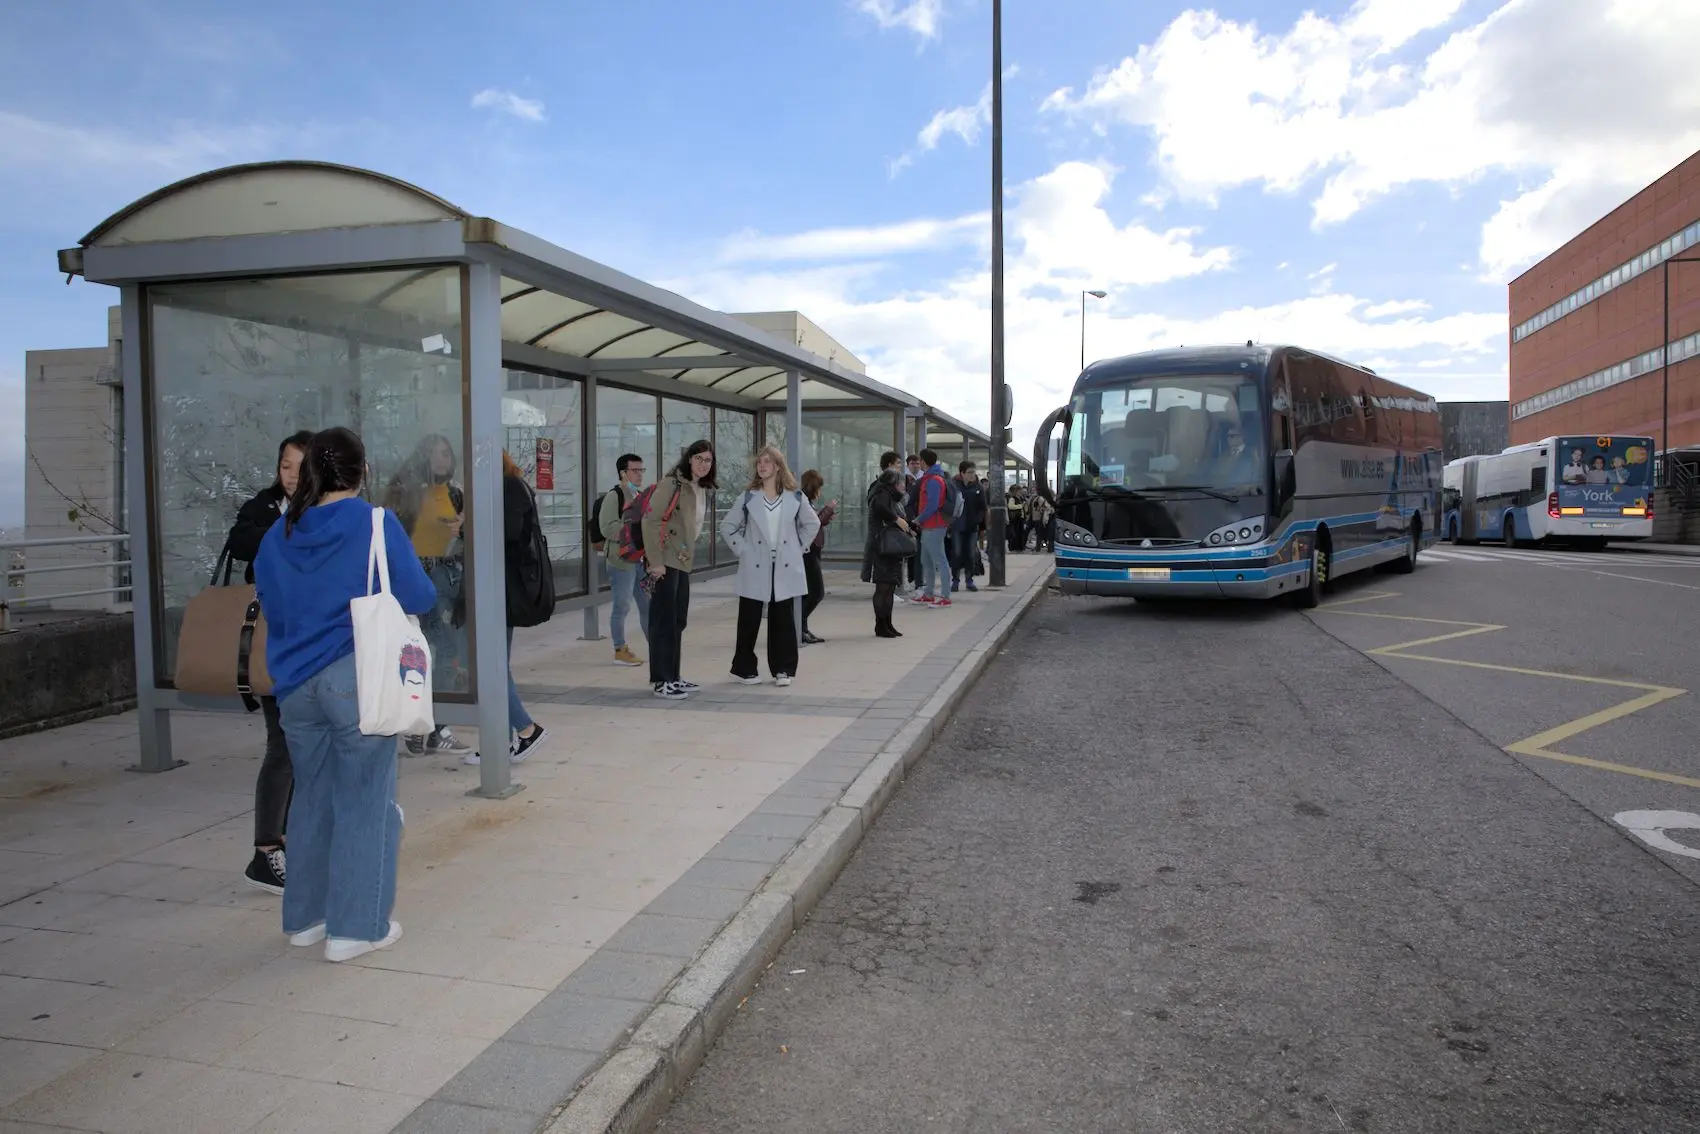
[276, 782]
[885, 595]
[914, 562]
[1017, 533]
[817, 585]
[781, 637]
[962, 554]
[669, 609]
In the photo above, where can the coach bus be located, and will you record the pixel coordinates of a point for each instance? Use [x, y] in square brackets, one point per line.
[1580, 491]
[1239, 471]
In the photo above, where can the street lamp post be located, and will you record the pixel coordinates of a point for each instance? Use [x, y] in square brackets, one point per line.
[997, 516]
[1083, 295]
[1664, 366]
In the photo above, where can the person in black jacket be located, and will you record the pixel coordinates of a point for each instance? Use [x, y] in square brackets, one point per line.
[276, 782]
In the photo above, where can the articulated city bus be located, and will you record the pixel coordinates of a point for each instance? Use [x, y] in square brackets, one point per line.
[1239, 471]
[1572, 490]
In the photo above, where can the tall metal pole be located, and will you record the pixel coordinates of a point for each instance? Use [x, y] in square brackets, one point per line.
[996, 519]
[1664, 359]
[1083, 329]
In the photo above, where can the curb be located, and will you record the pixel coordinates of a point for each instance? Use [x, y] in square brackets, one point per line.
[1658, 549]
[632, 1090]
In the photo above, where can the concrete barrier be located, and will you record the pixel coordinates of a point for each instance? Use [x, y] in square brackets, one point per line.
[66, 670]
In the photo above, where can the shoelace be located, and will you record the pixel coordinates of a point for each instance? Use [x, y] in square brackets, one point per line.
[274, 859]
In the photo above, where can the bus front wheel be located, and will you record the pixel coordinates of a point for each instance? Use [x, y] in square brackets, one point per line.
[1310, 595]
[1509, 534]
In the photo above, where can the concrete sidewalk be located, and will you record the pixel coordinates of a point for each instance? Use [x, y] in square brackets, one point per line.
[658, 856]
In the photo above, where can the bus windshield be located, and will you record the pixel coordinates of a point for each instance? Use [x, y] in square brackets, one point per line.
[1608, 461]
[1190, 431]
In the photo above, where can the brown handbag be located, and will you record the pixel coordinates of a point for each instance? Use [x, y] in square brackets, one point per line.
[221, 647]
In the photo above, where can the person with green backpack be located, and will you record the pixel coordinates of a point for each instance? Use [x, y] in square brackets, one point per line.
[622, 575]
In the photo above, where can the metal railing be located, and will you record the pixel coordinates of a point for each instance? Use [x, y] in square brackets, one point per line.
[15, 569]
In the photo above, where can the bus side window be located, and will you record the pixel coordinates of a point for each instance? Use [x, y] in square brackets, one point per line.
[1283, 432]
[1538, 482]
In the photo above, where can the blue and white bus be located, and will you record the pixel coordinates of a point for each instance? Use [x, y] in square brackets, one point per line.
[1240, 471]
[1580, 491]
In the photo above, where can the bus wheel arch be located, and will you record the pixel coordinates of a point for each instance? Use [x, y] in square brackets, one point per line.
[1407, 562]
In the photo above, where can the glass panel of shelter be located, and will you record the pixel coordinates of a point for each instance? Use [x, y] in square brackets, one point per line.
[235, 367]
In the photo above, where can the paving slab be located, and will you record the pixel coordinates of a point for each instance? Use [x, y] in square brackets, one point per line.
[570, 951]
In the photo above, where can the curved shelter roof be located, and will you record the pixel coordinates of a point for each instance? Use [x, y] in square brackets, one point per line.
[297, 221]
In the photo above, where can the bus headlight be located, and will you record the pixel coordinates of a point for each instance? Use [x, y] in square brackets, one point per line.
[1080, 537]
[1240, 531]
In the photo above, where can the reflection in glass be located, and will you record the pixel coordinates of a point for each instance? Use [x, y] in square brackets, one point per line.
[734, 446]
[625, 423]
[542, 417]
[845, 448]
[682, 423]
[234, 367]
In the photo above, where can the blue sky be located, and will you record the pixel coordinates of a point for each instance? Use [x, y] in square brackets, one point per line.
[1361, 177]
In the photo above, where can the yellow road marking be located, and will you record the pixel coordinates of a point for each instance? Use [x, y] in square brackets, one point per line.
[1541, 744]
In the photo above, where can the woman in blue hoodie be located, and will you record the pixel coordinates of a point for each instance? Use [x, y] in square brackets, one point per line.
[344, 824]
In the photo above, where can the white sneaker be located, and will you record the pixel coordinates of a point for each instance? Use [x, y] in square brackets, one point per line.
[348, 948]
[782, 679]
[312, 935]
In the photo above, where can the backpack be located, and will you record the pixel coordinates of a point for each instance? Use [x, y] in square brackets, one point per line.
[597, 535]
[531, 575]
[630, 549]
[952, 504]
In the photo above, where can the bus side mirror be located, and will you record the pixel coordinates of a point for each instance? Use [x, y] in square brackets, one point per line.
[1286, 486]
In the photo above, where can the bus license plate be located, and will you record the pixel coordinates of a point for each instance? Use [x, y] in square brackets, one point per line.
[1156, 574]
[1602, 525]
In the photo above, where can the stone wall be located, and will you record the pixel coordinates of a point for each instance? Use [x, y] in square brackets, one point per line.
[66, 670]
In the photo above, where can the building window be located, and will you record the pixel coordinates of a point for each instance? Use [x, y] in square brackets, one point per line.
[1645, 262]
[1643, 363]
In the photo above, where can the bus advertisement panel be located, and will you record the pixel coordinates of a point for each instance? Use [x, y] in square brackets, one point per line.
[1603, 476]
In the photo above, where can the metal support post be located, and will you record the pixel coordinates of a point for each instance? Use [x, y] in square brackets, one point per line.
[1664, 360]
[481, 362]
[794, 457]
[153, 721]
[997, 514]
[596, 568]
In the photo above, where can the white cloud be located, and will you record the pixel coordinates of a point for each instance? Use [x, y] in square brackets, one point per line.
[1395, 307]
[933, 338]
[858, 243]
[37, 143]
[1587, 99]
[507, 102]
[963, 121]
[919, 16]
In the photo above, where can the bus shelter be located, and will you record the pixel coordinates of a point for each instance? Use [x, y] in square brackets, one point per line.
[258, 300]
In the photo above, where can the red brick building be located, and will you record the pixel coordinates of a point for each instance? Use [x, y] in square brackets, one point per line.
[1586, 323]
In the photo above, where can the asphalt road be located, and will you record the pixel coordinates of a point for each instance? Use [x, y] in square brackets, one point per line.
[1215, 868]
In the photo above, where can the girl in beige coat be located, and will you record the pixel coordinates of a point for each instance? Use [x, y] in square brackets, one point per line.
[670, 530]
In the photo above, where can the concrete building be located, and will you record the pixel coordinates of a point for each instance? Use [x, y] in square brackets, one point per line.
[1587, 324]
[1468, 429]
[74, 473]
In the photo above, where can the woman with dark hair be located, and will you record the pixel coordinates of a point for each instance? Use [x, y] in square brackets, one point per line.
[671, 526]
[519, 516]
[344, 823]
[275, 782]
[813, 482]
[425, 498]
[885, 572]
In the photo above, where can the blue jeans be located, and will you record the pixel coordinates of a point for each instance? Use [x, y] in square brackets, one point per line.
[344, 825]
[622, 581]
[518, 719]
[934, 562]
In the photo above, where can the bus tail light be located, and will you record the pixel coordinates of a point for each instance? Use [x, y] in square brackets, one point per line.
[1647, 512]
[1552, 505]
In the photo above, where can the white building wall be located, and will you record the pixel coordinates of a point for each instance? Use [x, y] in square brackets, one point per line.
[73, 428]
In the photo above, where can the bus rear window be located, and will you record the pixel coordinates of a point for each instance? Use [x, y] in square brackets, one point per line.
[1605, 460]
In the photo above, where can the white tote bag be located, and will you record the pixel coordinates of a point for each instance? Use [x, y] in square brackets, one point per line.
[392, 660]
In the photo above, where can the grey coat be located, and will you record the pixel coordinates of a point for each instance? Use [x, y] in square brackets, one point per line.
[767, 573]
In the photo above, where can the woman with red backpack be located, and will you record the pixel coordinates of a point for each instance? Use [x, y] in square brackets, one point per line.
[672, 515]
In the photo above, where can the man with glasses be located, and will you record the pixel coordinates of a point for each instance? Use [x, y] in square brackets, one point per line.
[622, 576]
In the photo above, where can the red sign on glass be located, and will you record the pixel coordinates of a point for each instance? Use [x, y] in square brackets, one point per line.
[545, 465]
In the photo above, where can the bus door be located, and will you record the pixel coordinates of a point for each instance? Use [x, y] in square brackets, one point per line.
[1467, 503]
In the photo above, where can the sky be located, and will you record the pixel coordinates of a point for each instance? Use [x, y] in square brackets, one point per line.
[1360, 178]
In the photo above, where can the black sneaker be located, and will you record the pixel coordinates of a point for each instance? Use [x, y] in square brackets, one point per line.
[524, 745]
[669, 691]
[416, 745]
[687, 686]
[266, 871]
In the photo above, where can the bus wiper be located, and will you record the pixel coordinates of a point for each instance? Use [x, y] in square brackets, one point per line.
[1230, 497]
